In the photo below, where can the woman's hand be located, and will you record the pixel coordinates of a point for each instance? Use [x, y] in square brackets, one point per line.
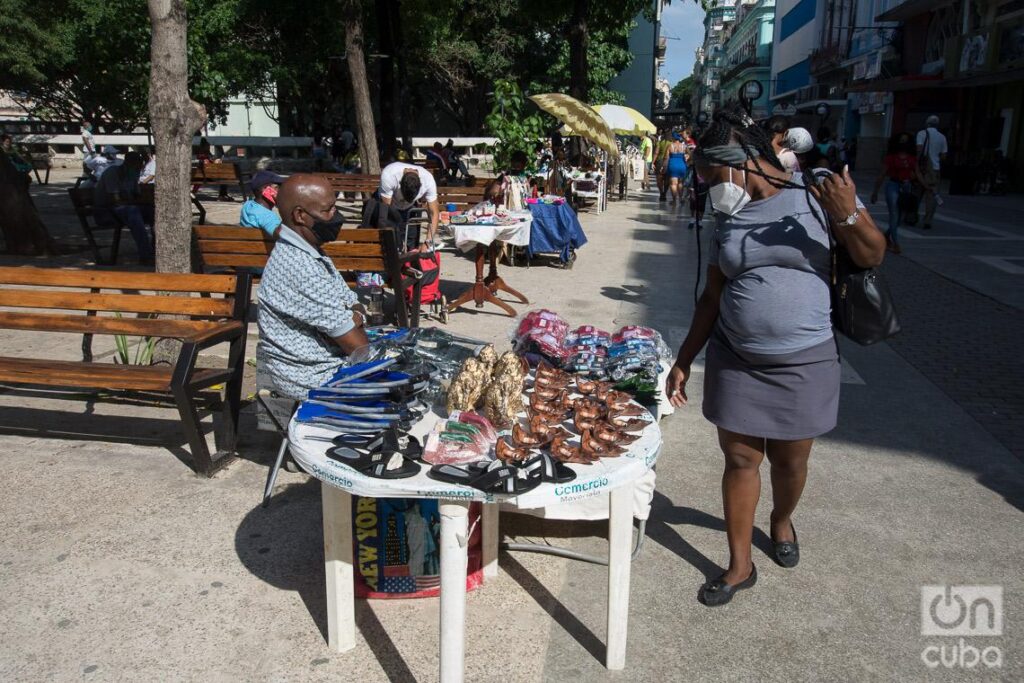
[837, 195]
[675, 385]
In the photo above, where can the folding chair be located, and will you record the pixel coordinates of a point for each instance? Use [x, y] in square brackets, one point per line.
[278, 412]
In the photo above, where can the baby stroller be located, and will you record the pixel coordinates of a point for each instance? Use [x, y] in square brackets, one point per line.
[420, 271]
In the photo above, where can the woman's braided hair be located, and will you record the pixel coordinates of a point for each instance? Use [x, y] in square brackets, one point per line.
[731, 125]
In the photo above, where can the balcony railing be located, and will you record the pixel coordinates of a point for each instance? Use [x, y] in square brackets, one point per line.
[748, 63]
[827, 58]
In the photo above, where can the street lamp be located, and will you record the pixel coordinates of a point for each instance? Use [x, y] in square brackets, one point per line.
[749, 92]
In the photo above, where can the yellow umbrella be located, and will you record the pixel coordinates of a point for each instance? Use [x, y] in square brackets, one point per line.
[580, 117]
[622, 120]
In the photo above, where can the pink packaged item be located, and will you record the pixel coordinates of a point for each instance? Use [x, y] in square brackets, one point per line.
[477, 420]
[633, 332]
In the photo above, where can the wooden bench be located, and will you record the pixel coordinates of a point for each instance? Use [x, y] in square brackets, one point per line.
[357, 250]
[82, 199]
[213, 310]
[463, 197]
[212, 173]
[41, 162]
[225, 173]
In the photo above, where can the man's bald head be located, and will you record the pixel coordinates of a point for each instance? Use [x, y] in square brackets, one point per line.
[304, 198]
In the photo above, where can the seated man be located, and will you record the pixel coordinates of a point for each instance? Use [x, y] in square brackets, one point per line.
[258, 212]
[402, 186]
[309, 318]
[116, 197]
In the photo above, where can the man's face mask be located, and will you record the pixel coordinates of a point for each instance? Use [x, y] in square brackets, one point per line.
[728, 197]
[327, 230]
[270, 194]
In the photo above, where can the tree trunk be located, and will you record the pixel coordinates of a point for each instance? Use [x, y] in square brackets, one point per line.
[23, 231]
[360, 86]
[579, 40]
[386, 45]
[175, 119]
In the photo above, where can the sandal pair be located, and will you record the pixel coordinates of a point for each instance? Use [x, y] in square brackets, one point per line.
[500, 477]
[388, 455]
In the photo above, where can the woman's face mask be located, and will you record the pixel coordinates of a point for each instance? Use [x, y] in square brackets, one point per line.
[728, 197]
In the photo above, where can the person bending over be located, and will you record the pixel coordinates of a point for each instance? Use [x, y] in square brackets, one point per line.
[404, 186]
[309, 318]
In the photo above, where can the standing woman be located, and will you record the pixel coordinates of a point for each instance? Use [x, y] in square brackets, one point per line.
[676, 168]
[899, 173]
[771, 378]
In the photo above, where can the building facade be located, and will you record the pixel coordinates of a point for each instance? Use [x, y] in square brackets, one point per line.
[718, 20]
[961, 60]
[748, 54]
[638, 83]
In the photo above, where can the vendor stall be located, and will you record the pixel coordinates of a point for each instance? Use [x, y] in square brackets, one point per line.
[555, 228]
[486, 236]
[421, 414]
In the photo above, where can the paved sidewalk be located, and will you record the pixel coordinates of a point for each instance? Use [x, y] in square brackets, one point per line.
[119, 564]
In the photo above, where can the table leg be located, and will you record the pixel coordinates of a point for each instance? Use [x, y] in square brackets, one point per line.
[491, 537]
[620, 537]
[480, 292]
[493, 280]
[341, 598]
[454, 559]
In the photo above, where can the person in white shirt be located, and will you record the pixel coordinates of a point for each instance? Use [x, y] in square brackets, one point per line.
[402, 186]
[148, 176]
[932, 149]
[88, 144]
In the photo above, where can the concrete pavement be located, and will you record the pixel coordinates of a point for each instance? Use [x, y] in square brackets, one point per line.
[119, 564]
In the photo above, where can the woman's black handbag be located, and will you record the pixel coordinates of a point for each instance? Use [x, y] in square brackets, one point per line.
[862, 307]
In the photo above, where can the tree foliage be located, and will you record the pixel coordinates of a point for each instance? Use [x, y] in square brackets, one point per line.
[71, 59]
[682, 93]
[511, 120]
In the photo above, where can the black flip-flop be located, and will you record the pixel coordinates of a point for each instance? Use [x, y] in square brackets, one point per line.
[551, 471]
[495, 477]
[380, 465]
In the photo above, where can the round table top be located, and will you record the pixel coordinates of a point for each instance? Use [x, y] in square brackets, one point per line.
[469, 235]
[591, 480]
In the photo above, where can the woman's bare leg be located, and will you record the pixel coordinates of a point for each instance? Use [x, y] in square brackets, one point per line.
[789, 474]
[741, 488]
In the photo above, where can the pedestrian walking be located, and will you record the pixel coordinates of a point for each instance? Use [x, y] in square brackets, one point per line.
[771, 371]
[675, 169]
[932, 149]
[900, 176]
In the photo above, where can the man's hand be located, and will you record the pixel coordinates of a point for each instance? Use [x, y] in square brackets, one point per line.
[358, 318]
[675, 385]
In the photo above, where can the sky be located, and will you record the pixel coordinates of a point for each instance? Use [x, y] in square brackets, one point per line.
[683, 19]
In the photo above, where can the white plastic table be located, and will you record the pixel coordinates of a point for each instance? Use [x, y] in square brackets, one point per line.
[613, 477]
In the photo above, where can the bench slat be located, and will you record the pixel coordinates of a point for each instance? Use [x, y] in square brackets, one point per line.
[110, 279]
[265, 247]
[230, 232]
[125, 303]
[93, 324]
[55, 373]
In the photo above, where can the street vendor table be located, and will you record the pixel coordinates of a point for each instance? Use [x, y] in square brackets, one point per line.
[486, 239]
[613, 477]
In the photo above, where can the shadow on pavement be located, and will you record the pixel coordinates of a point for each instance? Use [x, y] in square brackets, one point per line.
[554, 607]
[283, 546]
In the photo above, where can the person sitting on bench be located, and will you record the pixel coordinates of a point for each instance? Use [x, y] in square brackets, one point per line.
[116, 198]
[309, 318]
[258, 212]
[402, 186]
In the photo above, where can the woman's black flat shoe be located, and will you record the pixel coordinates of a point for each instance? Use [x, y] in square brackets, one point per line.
[718, 592]
[787, 553]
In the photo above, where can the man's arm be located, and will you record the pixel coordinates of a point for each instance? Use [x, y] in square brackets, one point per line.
[355, 338]
[434, 209]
